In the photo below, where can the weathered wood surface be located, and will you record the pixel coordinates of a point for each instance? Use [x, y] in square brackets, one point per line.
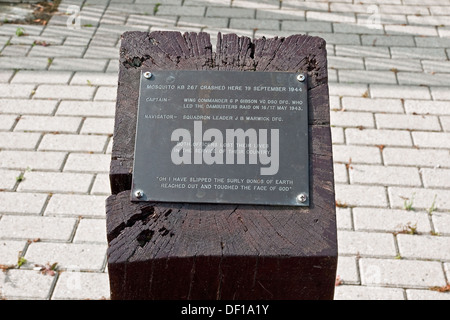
[212, 251]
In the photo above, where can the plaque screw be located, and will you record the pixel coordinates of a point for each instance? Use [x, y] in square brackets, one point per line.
[147, 75]
[139, 194]
[301, 197]
[301, 77]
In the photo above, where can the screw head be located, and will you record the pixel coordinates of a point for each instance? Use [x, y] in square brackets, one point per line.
[147, 75]
[302, 197]
[301, 77]
[139, 194]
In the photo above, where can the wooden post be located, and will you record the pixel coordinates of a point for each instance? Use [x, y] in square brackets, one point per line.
[216, 251]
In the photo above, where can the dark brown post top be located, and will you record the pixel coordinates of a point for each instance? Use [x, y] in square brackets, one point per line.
[212, 251]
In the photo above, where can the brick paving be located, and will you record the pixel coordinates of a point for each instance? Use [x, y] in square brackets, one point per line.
[389, 73]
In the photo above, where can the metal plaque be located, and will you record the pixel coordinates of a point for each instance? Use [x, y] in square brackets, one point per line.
[222, 137]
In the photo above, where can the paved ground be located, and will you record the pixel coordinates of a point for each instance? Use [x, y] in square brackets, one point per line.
[389, 74]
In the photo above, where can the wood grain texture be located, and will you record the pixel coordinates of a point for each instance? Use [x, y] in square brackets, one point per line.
[215, 251]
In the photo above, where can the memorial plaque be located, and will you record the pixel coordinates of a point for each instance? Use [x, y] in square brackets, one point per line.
[222, 137]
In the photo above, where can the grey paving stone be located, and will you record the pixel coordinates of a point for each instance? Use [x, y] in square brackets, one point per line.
[436, 177]
[436, 65]
[57, 51]
[445, 122]
[389, 220]
[78, 64]
[86, 108]
[167, 10]
[74, 285]
[346, 63]
[393, 65]
[56, 182]
[378, 137]
[412, 30]
[441, 221]
[367, 293]
[22, 203]
[65, 92]
[362, 51]
[79, 143]
[106, 93]
[101, 52]
[98, 126]
[427, 107]
[401, 273]
[85, 162]
[297, 15]
[23, 106]
[7, 122]
[413, 294]
[40, 77]
[16, 50]
[204, 22]
[35, 227]
[303, 26]
[344, 218]
[91, 230]
[304, 5]
[366, 243]
[37, 63]
[31, 159]
[19, 140]
[388, 40]
[424, 79]
[163, 21]
[352, 119]
[6, 75]
[422, 198]
[48, 124]
[16, 90]
[358, 28]
[428, 20]
[417, 53]
[94, 79]
[76, 205]
[373, 105]
[347, 270]
[356, 154]
[37, 40]
[409, 122]
[348, 89]
[8, 178]
[101, 185]
[440, 93]
[242, 23]
[346, 17]
[381, 175]
[401, 92]
[424, 247]
[432, 139]
[385, 18]
[432, 42]
[82, 256]
[337, 38]
[337, 135]
[25, 284]
[416, 157]
[355, 195]
[10, 250]
[29, 30]
[364, 76]
[219, 3]
[340, 173]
